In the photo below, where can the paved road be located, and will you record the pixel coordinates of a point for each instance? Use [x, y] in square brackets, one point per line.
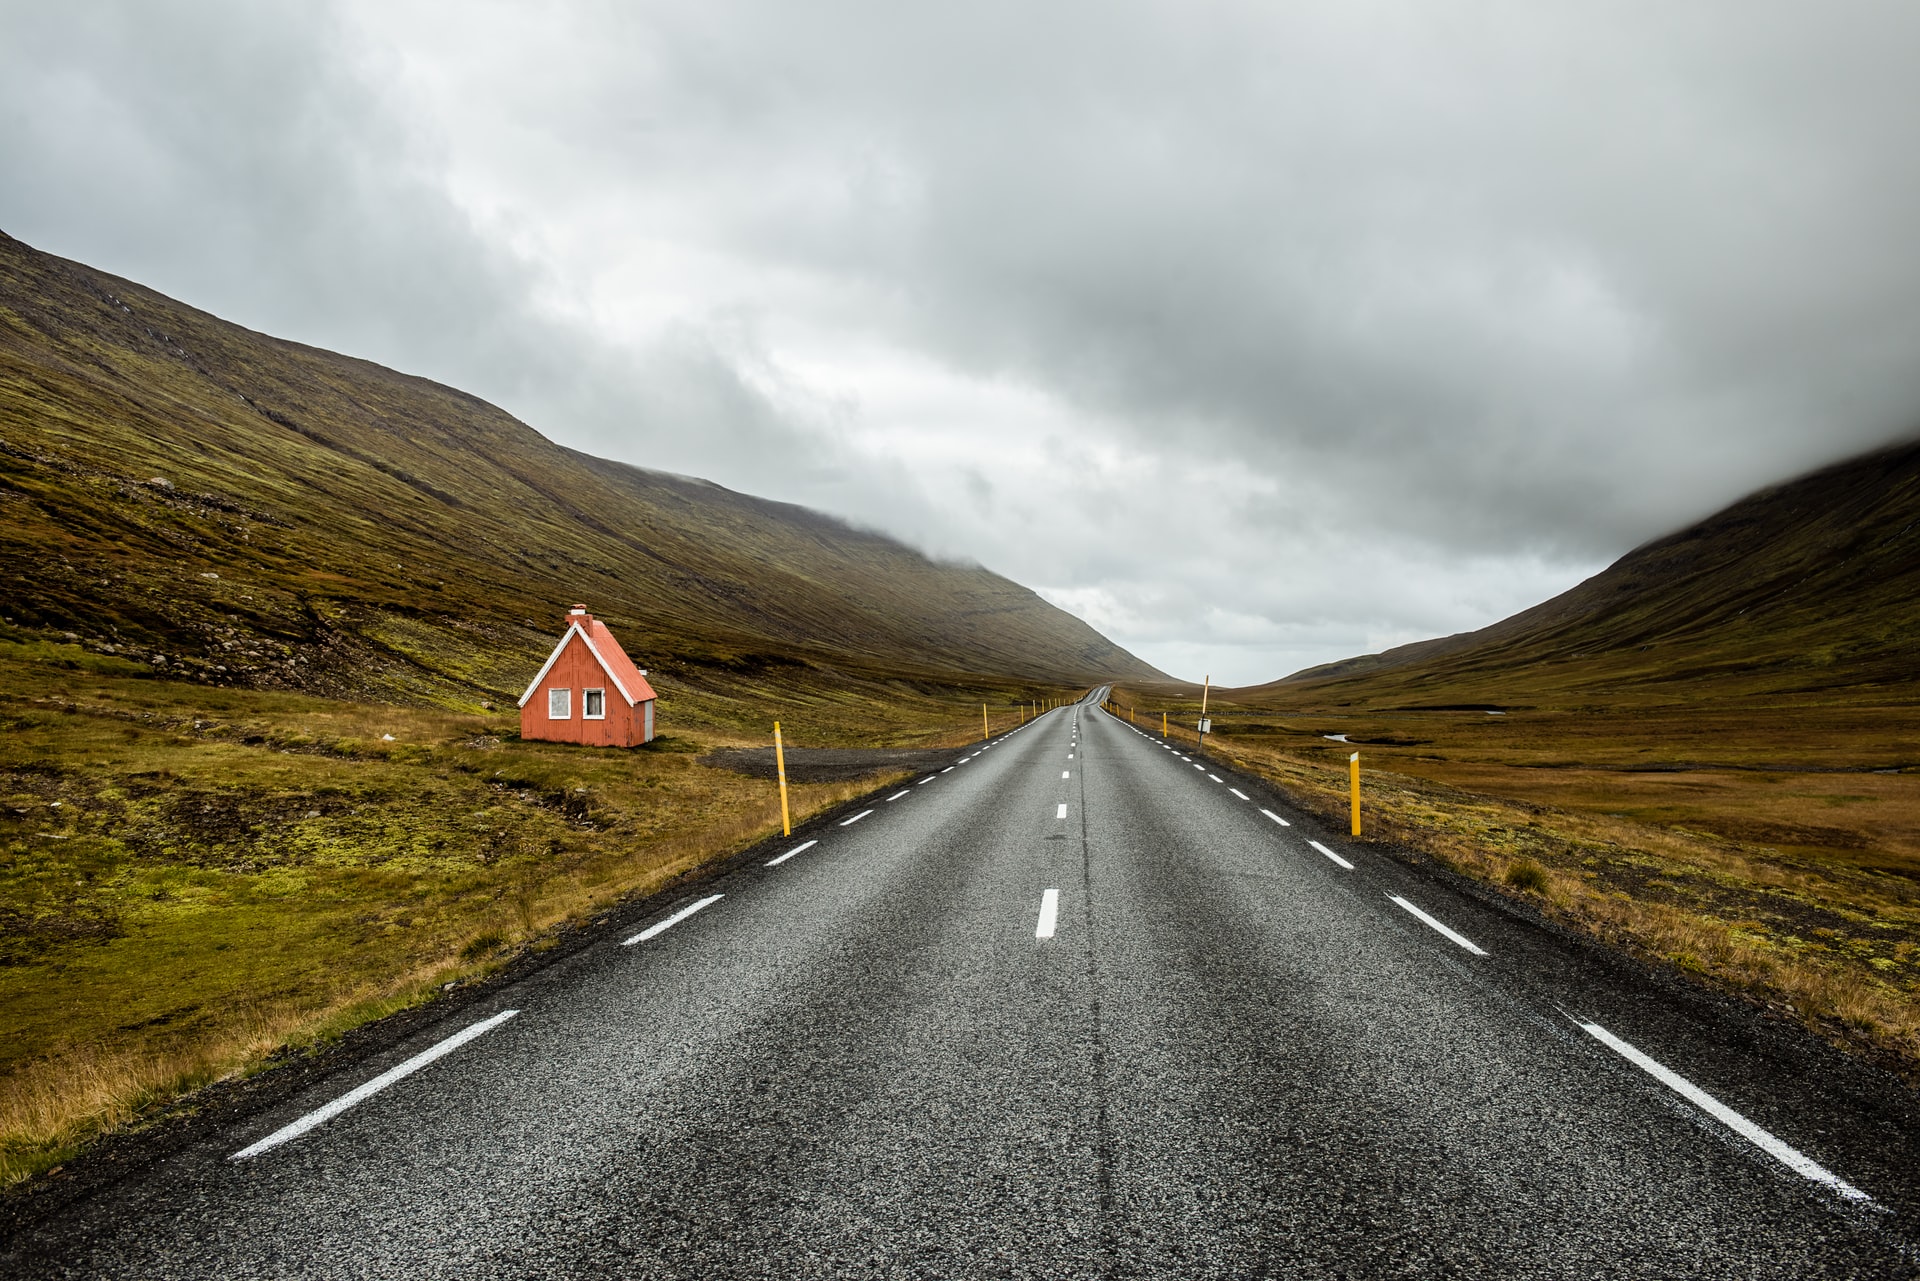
[1235, 1055]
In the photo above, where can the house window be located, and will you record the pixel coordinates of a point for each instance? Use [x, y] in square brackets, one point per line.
[559, 704]
[593, 704]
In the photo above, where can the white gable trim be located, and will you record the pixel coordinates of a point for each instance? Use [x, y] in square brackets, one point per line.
[574, 629]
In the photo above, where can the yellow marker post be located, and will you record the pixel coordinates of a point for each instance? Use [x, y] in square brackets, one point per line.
[780, 764]
[985, 734]
[1163, 725]
[1353, 778]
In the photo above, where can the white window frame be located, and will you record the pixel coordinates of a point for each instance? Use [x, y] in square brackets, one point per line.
[560, 704]
[586, 705]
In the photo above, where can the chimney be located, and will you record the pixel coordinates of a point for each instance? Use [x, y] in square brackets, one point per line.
[578, 614]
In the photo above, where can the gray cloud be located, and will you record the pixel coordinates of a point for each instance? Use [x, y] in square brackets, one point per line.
[1257, 334]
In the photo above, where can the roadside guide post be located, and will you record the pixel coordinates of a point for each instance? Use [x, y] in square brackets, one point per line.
[780, 764]
[985, 734]
[1200, 741]
[1353, 781]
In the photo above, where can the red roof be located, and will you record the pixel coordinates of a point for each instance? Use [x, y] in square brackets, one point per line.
[602, 645]
[615, 660]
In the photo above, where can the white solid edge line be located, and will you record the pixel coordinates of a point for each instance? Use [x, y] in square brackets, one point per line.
[897, 795]
[1276, 818]
[320, 1116]
[1330, 854]
[1049, 914]
[778, 859]
[1786, 1154]
[1455, 935]
[1237, 792]
[661, 927]
[855, 819]
[1061, 812]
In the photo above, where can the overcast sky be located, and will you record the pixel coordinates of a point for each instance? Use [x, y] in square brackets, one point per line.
[1258, 335]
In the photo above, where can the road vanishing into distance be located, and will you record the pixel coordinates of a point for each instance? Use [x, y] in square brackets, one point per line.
[1079, 1005]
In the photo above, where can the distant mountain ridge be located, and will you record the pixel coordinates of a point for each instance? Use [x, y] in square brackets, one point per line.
[263, 512]
[1806, 586]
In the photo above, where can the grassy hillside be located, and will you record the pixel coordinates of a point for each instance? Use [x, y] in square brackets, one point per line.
[261, 513]
[1808, 589]
[1709, 753]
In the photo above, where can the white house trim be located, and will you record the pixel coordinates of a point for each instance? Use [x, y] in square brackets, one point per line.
[574, 629]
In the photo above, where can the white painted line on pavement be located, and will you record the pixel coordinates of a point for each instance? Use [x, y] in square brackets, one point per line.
[896, 796]
[947, 770]
[1216, 778]
[1049, 914]
[320, 1116]
[1237, 792]
[1457, 937]
[1786, 1154]
[1066, 773]
[1324, 850]
[1201, 768]
[856, 818]
[661, 927]
[1276, 818]
[1062, 813]
[928, 779]
[798, 849]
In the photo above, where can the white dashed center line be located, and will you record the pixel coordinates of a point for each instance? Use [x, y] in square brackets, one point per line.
[1276, 818]
[321, 1116]
[1215, 777]
[928, 779]
[798, 849]
[947, 770]
[1329, 853]
[1237, 792]
[856, 818]
[1794, 1159]
[1455, 935]
[1049, 914]
[661, 927]
[896, 796]
[1066, 773]
[1061, 812]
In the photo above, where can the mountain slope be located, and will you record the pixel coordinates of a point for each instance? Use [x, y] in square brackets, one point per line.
[1807, 588]
[261, 512]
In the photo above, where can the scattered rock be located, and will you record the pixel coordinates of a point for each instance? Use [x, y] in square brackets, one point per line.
[160, 482]
[386, 738]
[210, 575]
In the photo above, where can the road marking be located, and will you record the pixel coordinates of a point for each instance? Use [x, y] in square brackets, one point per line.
[1069, 755]
[928, 779]
[1457, 937]
[947, 770]
[1237, 792]
[1066, 773]
[1324, 850]
[1794, 1159]
[1216, 778]
[798, 849]
[1061, 813]
[1276, 818]
[320, 1116]
[1049, 914]
[663, 926]
[1201, 768]
[896, 796]
[856, 818]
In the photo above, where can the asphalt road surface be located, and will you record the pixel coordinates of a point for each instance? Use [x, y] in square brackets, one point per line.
[1077, 1005]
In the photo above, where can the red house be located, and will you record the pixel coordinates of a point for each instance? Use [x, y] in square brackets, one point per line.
[589, 692]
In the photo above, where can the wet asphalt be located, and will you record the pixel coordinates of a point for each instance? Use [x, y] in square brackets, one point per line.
[1233, 1058]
